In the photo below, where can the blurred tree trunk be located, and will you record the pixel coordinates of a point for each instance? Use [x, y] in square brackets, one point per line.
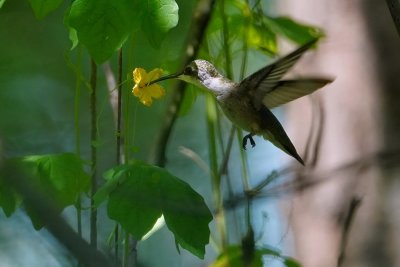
[361, 118]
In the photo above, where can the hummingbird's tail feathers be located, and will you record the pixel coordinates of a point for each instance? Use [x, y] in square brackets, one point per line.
[288, 90]
[285, 145]
[273, 131]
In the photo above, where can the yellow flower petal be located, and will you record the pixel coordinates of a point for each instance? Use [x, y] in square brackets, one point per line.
[138, 73]
[142, 91]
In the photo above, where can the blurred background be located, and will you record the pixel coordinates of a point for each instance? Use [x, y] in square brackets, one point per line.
[340, 210]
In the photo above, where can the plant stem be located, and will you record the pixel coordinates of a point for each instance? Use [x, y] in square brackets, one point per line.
[118, 141]
[77, 99]
[215, 177]
[225, 34]
[93, 146]
[243, 156]
[200, 21]
[125, 259]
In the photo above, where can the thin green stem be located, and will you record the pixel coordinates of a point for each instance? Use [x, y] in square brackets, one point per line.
[243, 155]
[77, 100]
[129, 253]
[125, 259]
[211, 109]
[226, 44]
[118, 141]
[93, 137]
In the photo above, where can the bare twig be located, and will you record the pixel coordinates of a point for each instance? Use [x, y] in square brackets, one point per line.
[354, 205]
[384, 159]
[311, 155]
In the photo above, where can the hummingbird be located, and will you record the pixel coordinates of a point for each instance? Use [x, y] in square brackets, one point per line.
[247, 103]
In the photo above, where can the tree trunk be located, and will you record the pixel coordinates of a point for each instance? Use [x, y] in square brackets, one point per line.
[361, 120]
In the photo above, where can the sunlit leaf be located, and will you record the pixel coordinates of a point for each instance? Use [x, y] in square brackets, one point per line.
[159, 17]
[41, 8]
[233, 257]
[103, 25]
[262, 38]
[72, 34]
[2, 3]
[143, 192]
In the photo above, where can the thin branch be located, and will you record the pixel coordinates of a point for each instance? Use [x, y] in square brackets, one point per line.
[354, 205]
[201, 18]
[394, 8]
[384, 159]
[93, 137]
[313, 143]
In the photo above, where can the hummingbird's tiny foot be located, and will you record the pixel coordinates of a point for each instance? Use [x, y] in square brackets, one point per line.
[244, 142]
[253, 144]
[248, 137]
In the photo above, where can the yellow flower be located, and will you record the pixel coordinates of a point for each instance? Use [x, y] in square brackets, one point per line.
[142, 91]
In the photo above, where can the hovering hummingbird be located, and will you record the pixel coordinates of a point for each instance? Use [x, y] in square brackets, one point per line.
[247, 103]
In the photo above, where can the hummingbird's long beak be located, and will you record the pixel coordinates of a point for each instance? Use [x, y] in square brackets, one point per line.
[167, 77]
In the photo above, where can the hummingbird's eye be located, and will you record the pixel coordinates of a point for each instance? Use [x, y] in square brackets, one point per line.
[189, 70]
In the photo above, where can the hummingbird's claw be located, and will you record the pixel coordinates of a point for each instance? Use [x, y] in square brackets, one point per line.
[248, 137]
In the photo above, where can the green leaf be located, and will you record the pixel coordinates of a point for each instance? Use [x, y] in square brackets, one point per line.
[61, 176]
[295, 31]
[41, 8]
[2, 3]
[262, 38]
[114, 177]
[159, 17]
[289, 262]
[232, 257]
[144, 192]
[133, 206]
[72, 34]
[9, 199]
[185, 213]
[102, 25]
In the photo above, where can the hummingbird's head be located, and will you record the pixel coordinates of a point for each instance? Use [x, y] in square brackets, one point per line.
[200, 73]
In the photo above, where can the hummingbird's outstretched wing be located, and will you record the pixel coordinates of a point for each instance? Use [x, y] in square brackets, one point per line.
[288, 90]
[266, 79]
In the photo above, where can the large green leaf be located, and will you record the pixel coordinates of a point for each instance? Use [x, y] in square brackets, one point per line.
[41, 8]
[159, 17]
[139, 193]
[2, 3]
[61, 176]
[103, 25]
[9, 199]
[295, 31]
